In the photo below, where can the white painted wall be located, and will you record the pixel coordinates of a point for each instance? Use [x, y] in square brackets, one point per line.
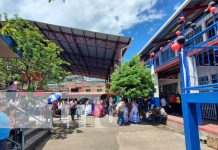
[155, 78]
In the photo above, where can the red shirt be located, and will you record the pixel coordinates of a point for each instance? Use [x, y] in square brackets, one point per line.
[172, 99]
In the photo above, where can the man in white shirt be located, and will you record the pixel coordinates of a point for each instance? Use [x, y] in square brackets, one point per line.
[163, 102]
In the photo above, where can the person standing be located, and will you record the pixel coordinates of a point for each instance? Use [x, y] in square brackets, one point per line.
[102, 108]
[4, 126]
[120, 112]
[163, 102]
[173, 103]
[60, 105]
[107, 107]
[126, 113]
[134, 113]
[11, 91]
[178, 104]
[73, 106]
[88, 108]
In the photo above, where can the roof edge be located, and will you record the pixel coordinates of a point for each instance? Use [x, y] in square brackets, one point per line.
[185, 3]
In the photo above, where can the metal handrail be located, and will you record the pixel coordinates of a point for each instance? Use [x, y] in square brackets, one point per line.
[22, 140]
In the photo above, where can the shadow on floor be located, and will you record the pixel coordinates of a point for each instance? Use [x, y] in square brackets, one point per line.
[61, 130]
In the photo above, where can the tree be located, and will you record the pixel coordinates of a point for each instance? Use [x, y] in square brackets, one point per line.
[132, 79]
[40, 57]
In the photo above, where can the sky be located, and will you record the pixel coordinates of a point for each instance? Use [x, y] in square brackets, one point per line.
[139, 19]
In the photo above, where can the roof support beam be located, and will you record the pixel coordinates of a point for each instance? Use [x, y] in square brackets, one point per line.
[88, 37]
[57, 38]
[113, 58]
[48, 38]
[87, 57]
[80, 40]
[72, 50]
[80, 52]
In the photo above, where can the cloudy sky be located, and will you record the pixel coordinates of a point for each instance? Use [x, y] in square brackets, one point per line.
[139, 19]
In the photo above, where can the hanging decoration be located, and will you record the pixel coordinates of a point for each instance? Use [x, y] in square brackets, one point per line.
[180, 40]
[189, 23]
[212, 4]
[178, 33]
[175, 46]
[213, 9]
[182, 19]
[152, 54]
[193, 25]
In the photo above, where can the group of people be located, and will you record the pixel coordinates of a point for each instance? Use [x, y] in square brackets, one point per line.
[171, 103]
[127, 112]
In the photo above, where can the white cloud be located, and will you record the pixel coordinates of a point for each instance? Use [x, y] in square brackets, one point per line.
[96, 15]
[177, 6]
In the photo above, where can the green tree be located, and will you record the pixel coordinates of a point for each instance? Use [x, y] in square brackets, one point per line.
[132, 79]
[40, 56]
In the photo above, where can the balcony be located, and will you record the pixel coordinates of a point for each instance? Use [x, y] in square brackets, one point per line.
[205, 33]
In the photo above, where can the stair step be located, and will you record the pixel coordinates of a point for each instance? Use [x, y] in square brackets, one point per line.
[30, 132]
[36, 139]
[9, 145]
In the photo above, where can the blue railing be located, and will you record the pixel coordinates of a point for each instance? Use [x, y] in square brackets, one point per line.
[199, 38]
[164, 57]
[204, 36]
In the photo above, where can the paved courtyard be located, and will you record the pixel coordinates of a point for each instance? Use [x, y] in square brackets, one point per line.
[103, 134]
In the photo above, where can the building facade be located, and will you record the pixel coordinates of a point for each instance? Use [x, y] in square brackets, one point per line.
[202, 62]
[78, 86]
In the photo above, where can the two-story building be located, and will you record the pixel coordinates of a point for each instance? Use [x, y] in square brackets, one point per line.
[202, 63]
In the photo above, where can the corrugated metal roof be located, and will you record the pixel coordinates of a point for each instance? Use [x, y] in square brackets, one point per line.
[90, 54]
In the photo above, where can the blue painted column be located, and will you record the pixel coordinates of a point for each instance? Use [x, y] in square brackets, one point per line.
[192, 76]
[190, 125]
[189, 110]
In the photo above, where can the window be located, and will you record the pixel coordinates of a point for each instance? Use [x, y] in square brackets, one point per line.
[88, 90]
[203, 80]
[211, 32]
[214, 78]
[74, 90]
[99, 90]
[199, 38]
[170, 88]
[188, 36]
[165, 56]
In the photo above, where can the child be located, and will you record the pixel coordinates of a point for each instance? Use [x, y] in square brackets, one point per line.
[126, 113]
[88, 108]
[120, 112]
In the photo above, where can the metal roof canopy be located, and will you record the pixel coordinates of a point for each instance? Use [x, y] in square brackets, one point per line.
[191, 9]
[90, 54]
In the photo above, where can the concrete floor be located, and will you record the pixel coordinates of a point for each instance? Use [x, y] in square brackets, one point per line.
[103, 134]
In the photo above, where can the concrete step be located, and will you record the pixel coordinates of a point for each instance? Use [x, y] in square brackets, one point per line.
[30, 132]
[9, 145]
[36, 138]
